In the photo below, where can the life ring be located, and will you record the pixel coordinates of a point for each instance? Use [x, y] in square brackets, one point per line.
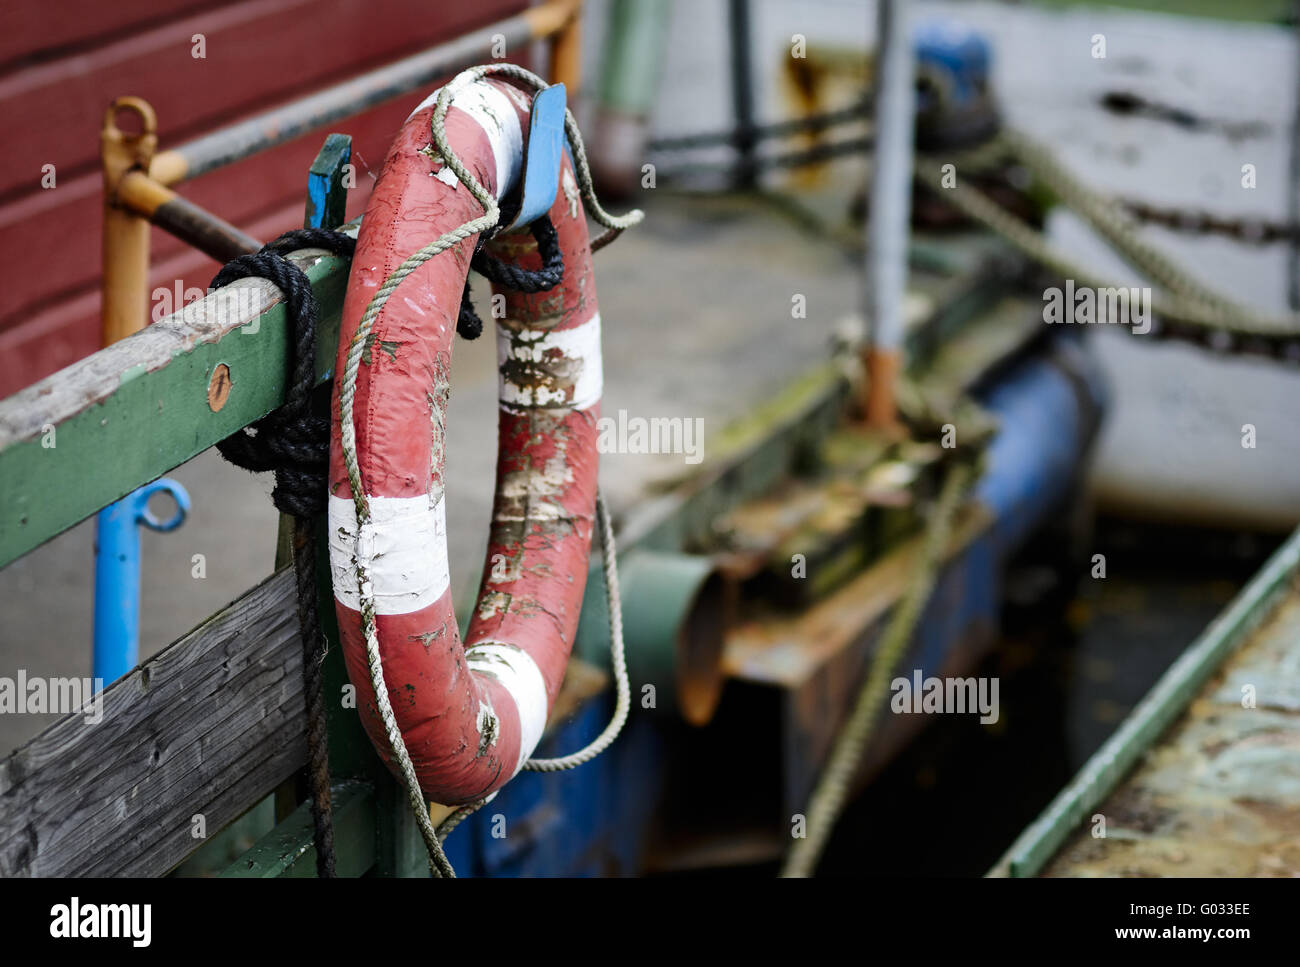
[471, 715]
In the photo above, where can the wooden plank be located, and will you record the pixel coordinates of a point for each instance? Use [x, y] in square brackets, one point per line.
[29, 33]
[1216, 796]
[136, 409]
[206, 727]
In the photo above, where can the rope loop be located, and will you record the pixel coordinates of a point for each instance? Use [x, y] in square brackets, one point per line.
[289, 441]
[551, 274]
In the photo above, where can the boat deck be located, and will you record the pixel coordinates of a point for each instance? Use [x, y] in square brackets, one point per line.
[1220, 794]
[1203, 778]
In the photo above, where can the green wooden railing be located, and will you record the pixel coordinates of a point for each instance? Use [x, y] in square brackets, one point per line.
[213, 724]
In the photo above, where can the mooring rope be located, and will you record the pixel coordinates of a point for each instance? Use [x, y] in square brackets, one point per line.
[551, 274]
[833, 786]
[438, 863]
[1186, 299]
[618, 658]
[295, 444]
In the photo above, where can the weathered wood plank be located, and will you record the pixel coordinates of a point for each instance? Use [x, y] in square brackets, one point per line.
[96, 430]
[206, 727]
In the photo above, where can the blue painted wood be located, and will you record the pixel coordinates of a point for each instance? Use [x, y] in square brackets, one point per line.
[327, 183]
[542, 155]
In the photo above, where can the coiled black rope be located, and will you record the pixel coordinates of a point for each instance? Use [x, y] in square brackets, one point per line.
[290, 440]
[295, 444]
[551, 274]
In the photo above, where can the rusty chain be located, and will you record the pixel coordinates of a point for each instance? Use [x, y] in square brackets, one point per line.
[1198, 221]
[1186, 311]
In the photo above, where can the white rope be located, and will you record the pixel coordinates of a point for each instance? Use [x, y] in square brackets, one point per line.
[1186, 298]
[438, 863]
[618, 660]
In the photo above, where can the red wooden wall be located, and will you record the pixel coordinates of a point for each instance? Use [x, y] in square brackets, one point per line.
[63, 61]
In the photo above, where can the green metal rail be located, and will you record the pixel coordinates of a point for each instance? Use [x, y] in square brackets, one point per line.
[1167, 699]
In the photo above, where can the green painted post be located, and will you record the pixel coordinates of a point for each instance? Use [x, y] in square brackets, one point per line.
[396, 844]
[287, 849]
[143, 406]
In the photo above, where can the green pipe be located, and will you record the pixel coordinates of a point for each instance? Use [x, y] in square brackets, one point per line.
[674, 617]
[629, 83]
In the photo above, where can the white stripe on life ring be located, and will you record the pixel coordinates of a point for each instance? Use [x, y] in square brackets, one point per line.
[515, 669]
[499, 119]
[579, 348]
[404, 550]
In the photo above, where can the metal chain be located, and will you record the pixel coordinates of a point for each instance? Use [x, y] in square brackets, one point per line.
[1189, 311]
[1121, 231]
[998, 152]
[1198, 221]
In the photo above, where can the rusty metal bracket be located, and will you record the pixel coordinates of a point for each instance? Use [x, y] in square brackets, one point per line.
[126, 233]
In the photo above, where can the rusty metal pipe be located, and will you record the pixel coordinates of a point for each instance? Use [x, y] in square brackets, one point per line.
[279, 125]
[125, 304]
[193, 225]
[676, 611]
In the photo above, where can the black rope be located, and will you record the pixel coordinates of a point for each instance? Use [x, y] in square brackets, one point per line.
[290, 440]
[468, 324]
[295, 444]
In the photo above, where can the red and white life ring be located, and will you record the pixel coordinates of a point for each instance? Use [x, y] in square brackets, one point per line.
[470, 715]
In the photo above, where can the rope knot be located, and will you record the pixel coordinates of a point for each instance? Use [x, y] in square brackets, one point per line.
[289, 440]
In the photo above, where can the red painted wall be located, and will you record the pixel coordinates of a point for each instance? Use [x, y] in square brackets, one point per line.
[62, 63]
